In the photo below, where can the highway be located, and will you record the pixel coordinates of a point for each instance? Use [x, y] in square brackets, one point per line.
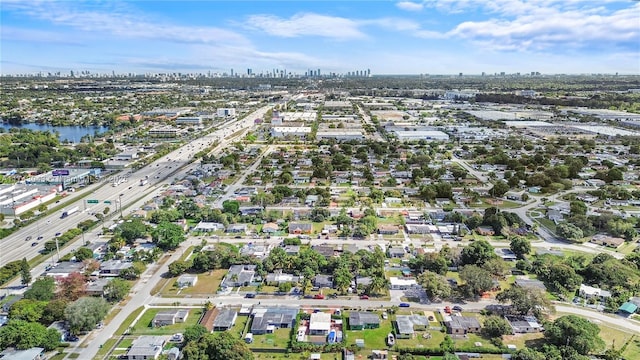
[15, 247]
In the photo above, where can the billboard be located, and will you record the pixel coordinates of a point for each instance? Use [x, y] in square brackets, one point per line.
[60, 172]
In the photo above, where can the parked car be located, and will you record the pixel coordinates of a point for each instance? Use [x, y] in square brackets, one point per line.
[404, 305]
[318, 296]
[447, 310]
[250, 295]
[457, 308]
[364, 297]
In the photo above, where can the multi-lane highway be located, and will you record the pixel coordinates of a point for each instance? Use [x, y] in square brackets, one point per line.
[123, 195]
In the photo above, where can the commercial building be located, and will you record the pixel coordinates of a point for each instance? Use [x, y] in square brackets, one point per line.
[16, 199]
[433, 135]
[189, 120]
[224, 112]
[284, 131]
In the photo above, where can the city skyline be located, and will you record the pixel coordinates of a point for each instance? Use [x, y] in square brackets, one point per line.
[435, 37]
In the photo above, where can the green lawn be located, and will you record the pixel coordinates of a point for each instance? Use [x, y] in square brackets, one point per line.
[208, 284]
[279, 340]
[143, 326]
[373, 338]
[632, 350]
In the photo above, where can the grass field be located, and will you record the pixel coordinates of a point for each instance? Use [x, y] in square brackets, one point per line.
[143, 326]
[208, 283]
[373, 338]
[279, 339]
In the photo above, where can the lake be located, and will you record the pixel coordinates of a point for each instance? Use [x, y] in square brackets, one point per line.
[70, 133]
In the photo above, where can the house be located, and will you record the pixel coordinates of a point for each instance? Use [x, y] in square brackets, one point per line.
[524, 324]
[402, 283]
[239, 275]
[530, 283]
[34, 353]
[407, 324]
[460, 325]
[485, 231]
[292, 249]
[96, 287]
[320, 323]
[628, 308]
[606, 240]
[270, 228]
[113, 267]
[278, 277]
[555, 216]
[311, 200]
[208, 318]
[225, 320]
[387, 229]
[204, 226]
[169, 317]
[63, 269]
[324, 250]
[589, 292]
[300, 228]
[186, 280]
[323, 281]
[396, 252]
[173, 353]
[237, 228]
[266, 320]
[146, 347]
[360, 320]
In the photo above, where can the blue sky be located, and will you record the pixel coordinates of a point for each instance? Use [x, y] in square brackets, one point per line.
[388, 37]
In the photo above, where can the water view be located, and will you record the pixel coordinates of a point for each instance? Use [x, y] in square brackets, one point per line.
[69, 133]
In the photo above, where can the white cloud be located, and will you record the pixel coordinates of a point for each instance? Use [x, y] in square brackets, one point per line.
[112, 18]
[548, 28]
[410, 6]
[307, 24]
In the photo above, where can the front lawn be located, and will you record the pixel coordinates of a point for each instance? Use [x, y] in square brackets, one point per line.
[207, 285]
[143, 326]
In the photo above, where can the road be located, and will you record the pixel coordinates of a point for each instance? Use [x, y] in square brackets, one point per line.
[128, 194]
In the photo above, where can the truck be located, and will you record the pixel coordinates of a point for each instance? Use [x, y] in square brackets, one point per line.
[69, 212]
[143, 182]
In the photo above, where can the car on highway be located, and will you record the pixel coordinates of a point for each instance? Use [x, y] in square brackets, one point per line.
[404, 305]
[28, 238]
[40, 237]
[58, 234]
[34, 244]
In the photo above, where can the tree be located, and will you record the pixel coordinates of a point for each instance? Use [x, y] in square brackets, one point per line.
[521, 246]
[569, 231]
[477, 253]
[84, 313]
[528, 354]
[496, 326]
[217, 346]
[497, 267]
[27, 310]
[525, 301]
[116, 289]
[194, 332]
[72, 287]
[25, 272]
[284, 287]
[436, 286]
[83, 253]
[231, 207]
[42, 289]
[24, 335]
[476, 280]
[131, 230]
[577, 207]
[54, 311]
[167, 235]
[106, 210]
[178, 267]
[447, 345]
[499, 189]
[575, 332]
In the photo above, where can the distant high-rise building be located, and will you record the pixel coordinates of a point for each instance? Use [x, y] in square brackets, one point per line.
[249, 72]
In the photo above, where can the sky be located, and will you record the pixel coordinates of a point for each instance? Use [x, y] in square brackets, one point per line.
[387, 37]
